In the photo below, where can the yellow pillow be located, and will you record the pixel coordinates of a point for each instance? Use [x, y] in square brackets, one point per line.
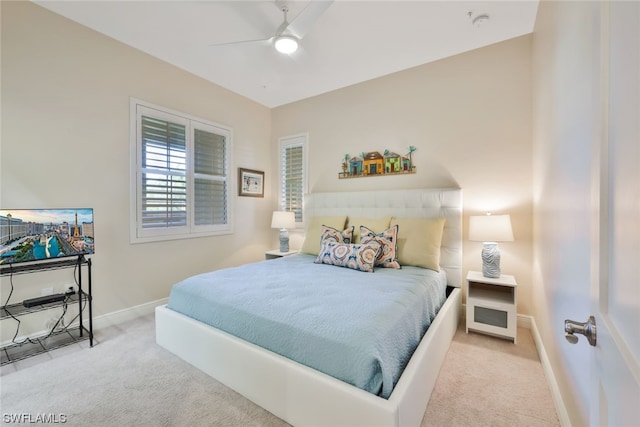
[311, 244]
[374, 224]
[419, 241]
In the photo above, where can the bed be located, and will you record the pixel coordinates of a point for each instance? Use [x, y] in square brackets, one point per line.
[307, 392]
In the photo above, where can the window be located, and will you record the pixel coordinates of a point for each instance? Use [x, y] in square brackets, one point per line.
[180, 175]
[293, 174]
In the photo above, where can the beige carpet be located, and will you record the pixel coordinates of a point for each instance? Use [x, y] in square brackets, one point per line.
[487, 381]
[127, 380]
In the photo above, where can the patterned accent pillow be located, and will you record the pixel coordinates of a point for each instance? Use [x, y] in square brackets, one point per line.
[388, 240]
[333, 235]
[360, 257]
[313, 229]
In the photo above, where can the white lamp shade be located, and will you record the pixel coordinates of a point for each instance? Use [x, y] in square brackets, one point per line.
[282, 219]
[490, 228]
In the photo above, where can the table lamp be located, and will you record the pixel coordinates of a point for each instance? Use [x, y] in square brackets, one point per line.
[283, 220]
[490, 229]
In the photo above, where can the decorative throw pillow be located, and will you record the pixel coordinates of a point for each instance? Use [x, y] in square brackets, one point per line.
[375, 224]
[333, 235]
[419, 241]
[388, 241]
[360, 257]
[314, 230]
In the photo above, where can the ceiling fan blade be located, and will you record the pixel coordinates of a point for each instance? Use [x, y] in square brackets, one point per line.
[282, 28]
[301, 25]
[268, 39]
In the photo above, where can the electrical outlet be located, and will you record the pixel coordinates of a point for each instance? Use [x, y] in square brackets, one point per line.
[46, 291]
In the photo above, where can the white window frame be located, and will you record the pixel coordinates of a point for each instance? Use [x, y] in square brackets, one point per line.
[301, 139]
[142, 235]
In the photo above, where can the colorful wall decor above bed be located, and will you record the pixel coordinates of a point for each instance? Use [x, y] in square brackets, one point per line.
[375, 164]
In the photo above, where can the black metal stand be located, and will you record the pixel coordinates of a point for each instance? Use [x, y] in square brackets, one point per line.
[37, 345]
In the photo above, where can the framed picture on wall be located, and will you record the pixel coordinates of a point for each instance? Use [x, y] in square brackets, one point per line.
[250, 183]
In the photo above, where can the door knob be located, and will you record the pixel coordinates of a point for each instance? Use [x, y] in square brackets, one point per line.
[588, 329]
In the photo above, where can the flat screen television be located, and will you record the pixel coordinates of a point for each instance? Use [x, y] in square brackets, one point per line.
[43, 234]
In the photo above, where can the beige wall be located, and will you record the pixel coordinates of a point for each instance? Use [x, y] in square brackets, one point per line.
[65, 101]
[469, 117]
[65, 143]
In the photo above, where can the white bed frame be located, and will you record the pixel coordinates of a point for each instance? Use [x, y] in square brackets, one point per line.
[303, 396]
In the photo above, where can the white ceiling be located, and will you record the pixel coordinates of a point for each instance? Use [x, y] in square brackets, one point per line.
[351, 42]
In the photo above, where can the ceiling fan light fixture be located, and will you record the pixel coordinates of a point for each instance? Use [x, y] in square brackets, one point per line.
[286, 44]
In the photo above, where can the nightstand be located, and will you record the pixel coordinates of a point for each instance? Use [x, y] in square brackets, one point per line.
[277, 254]
[492, 305]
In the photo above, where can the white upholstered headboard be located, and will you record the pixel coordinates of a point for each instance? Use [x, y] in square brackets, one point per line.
[413, 203]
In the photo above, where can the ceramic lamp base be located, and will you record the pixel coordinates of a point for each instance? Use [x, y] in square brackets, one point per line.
[284, 240]
[490, 260]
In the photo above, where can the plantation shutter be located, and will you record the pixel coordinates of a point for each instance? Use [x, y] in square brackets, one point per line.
[179, 175]
[163, 170]
[293, 179]
[210, 178]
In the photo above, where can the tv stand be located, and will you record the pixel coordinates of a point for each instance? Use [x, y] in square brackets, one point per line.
[69, 335]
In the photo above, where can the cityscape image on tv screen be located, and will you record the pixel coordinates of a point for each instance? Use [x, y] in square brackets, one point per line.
[40, 234]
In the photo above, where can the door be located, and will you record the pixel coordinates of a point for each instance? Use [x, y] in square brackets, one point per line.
[615, 283]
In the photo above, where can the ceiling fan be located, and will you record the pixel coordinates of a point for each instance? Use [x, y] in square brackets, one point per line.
[288, 35]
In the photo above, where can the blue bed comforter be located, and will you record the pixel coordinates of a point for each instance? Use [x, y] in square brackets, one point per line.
[361, 328]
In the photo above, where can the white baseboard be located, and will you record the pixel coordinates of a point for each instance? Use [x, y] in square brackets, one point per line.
[127, 314]
[102, 321]
[525, 321]
[563, 415]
